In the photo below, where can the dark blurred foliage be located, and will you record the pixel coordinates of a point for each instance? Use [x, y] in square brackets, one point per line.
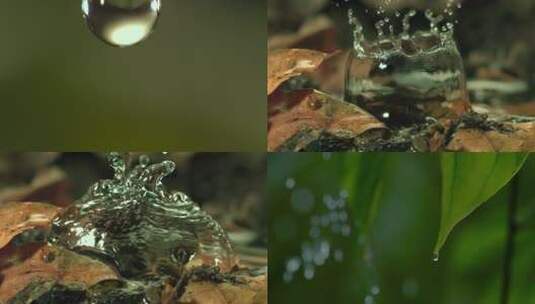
[195, 85]
[400, 239]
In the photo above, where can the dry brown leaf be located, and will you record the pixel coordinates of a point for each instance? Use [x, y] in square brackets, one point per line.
[48, 185]
[312, 110]
[253, 292]
[522, 139]
[287, 63]
[18, 217]
[436, 142]
[522, 109]
[331, 72]
[19, 266]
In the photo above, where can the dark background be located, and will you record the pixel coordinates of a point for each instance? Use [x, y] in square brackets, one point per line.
[197, 84]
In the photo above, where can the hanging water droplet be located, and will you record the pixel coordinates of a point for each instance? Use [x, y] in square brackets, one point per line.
[121, 23]
[435, 257]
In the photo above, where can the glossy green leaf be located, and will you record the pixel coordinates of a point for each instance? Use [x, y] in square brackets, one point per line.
[469, 180]
[363, 183]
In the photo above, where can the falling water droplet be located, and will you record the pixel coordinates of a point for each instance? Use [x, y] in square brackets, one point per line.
[375, 290]
[368, 300]
[290, 183]
[121, 23]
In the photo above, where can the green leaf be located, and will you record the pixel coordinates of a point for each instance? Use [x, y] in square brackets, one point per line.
[469, 180]
[364, 183]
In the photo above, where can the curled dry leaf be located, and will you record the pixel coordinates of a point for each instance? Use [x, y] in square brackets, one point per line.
[314, 113]
[253, 291]
[18, 217]
[22, 265]
[521, 138]
[287, 63]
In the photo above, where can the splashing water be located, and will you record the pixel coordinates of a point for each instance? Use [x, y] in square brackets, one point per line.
[133, 222]
[121, 23]
[397, 76]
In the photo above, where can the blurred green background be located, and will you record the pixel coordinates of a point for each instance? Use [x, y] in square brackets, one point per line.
[197, 84]
[393, 262]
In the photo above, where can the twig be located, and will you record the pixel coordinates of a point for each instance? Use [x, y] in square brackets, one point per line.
[510, 242]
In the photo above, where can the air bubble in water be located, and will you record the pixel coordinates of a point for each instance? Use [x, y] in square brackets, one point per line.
[121, 23]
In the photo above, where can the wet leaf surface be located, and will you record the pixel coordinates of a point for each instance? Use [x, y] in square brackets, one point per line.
[254, 291]
[34, 262]
[298, 118]
[520, 138]
[18, 217]
[287, 63]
